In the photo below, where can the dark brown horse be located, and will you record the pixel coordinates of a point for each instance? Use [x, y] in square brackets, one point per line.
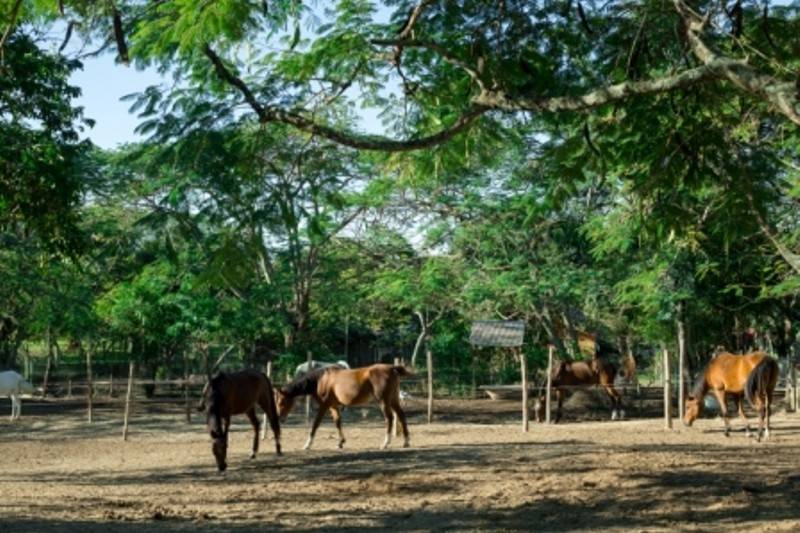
[235, 393]
[752, 375]
[582, 374]
[334, 387]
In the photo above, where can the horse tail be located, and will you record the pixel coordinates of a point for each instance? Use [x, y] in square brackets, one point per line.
[761, 380]
[401, 371]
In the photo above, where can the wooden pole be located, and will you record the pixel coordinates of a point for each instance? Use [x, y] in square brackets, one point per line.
[523, 368]
[429, 362]
[186, 403]
[681, 361]
[89, 388]
[395, 425]
[69, 388]
[794, 386]
[667, 393]
[308, 397]
[128, 396]
[549, 392]
[269, 369]
[111, 385]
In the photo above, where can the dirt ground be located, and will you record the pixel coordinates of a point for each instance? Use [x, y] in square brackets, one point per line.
[473, 469]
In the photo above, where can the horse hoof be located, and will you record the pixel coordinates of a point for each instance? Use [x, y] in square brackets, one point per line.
[252, 456]
[406, 444]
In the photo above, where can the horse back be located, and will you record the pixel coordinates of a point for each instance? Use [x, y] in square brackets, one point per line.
[729, 372]
[242, 389]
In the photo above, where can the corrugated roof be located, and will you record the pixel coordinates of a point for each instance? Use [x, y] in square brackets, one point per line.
[500, 333]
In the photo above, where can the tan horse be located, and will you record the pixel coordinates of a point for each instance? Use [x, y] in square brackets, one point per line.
[334, 387]
[753, 375]
[582, 374]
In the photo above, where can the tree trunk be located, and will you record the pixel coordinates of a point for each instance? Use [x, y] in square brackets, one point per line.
[681, 359]
[46, 380]
[667, 392]
[523, 366]
[423, 332]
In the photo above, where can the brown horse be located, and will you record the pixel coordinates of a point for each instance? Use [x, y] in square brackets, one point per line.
[753, 375]
[334, 387]
[582, 374]
[234, 393]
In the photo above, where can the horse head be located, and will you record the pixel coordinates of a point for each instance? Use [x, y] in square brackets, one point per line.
[694, 408]
[212, 403]
[283, 403]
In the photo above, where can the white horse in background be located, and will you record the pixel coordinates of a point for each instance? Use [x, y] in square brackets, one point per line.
[317, 365]
[13, 385]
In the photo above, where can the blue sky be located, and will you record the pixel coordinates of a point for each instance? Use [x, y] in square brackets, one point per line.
[103, 84]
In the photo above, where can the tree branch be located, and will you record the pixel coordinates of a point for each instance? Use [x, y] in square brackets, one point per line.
[11, 23]
[781, 95]
[603, 95]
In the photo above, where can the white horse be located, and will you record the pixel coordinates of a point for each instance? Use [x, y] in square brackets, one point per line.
[13, 385]
[316, 365]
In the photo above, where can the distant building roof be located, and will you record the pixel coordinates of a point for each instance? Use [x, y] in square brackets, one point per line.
[500, 333]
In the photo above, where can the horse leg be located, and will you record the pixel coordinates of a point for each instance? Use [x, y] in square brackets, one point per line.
[400, 415]
[616, 403]
[762, 415]
[768, 408]
[251, 414]
[14, 406]
[315, 425]
[723, 411]
[387, 416]
[740, 405]
[560, 393]
[337, 419]
[267, 404]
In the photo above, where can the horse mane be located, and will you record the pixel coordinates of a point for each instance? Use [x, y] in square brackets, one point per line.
[700, 386]
[303, 385]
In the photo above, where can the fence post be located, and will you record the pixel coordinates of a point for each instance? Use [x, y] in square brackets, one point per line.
[89, 388]
[69, 388]
[187, 405]
[128, 395]
[548, 392]
[523, 367]
[308, 397]
[111, 385]
[667, 393]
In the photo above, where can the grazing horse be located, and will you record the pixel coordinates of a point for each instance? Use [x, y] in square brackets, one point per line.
[582, 374]
[334, 387]
[752, 375]
[13, 385]
[234, 393]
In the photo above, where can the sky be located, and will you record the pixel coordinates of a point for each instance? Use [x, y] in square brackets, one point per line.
[103, 84]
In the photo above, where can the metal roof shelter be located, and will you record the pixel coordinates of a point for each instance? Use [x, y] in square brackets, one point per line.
[504, 334]
[497, 333]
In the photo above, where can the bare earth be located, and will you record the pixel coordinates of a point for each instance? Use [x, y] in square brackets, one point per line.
[462, 473]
